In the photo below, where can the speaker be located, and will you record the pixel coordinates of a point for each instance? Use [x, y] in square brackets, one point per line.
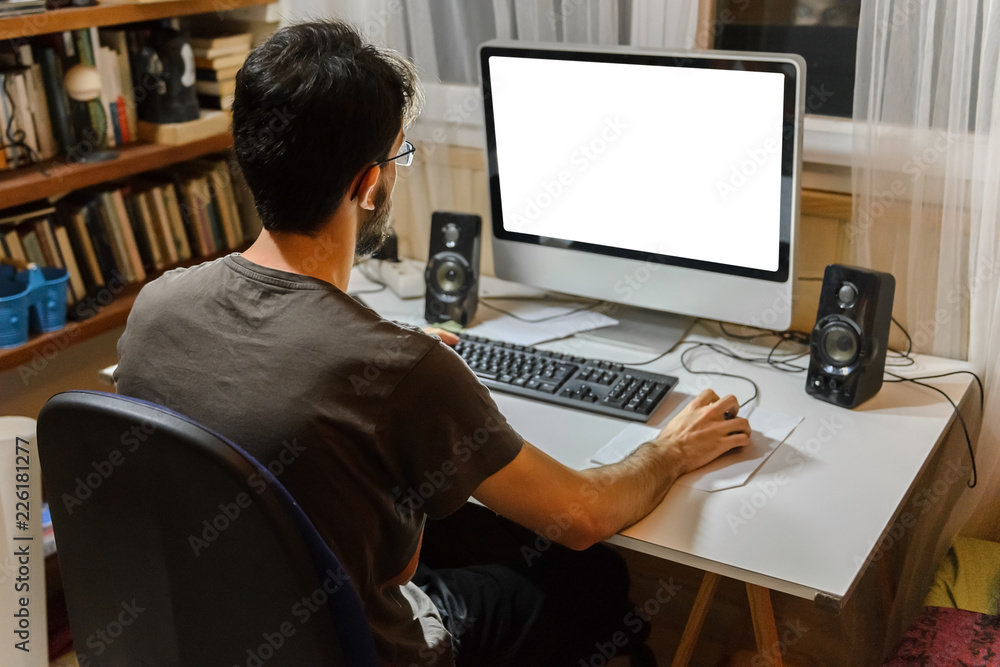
[452, 274]
[847, 345]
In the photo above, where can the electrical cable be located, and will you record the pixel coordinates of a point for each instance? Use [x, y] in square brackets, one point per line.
[363, 268]
[540, 319]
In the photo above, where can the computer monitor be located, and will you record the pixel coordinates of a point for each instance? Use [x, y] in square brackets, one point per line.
[662, 181]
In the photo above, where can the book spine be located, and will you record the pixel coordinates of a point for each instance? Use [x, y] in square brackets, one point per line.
[129, 238]
[77, 289]
[23, 113]
[82, 241]
[32, 248]
[172, 204]
[114, 230]
[39, 107]
[55, 93]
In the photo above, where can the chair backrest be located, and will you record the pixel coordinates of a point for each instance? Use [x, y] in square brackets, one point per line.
[178, 548]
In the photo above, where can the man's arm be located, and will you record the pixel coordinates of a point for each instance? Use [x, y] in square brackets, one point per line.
[586, 506]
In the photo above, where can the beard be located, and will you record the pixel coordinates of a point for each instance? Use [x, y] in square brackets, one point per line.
[374, 229]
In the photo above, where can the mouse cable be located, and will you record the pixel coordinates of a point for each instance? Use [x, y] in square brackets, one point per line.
[958, 413]
[725, 352]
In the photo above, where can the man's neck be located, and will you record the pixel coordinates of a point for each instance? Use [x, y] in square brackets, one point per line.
[329, 256]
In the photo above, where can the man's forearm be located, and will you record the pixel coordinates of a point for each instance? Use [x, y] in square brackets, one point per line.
[622, 493]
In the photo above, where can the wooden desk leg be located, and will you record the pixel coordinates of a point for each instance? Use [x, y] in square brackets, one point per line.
[763, 623]
[697, 619]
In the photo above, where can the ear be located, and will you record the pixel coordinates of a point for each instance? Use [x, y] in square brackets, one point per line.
[367, 189]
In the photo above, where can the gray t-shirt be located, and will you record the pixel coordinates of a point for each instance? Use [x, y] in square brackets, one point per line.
[370, 425]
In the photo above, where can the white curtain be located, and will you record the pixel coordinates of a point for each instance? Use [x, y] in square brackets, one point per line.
[926, 180]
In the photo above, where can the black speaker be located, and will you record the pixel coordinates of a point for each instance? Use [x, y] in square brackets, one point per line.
[848, 343]
[452, 273]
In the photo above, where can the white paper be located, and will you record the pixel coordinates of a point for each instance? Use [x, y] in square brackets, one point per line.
[512, 330]
[769, 429]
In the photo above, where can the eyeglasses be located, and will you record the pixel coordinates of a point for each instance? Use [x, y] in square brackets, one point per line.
[404, 158]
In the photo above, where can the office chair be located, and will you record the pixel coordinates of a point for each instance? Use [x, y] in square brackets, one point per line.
[178, 548]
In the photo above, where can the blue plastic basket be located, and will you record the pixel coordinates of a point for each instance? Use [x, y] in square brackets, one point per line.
[32, 300]
[13, 309]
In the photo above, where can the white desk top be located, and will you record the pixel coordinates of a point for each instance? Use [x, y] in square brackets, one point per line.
[808, 520]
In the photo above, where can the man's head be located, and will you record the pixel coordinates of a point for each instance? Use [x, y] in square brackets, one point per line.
[315, 107]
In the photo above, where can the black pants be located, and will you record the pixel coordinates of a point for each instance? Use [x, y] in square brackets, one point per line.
[511, 597]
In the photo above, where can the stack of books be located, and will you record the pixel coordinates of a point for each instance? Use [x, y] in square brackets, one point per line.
[217, 59]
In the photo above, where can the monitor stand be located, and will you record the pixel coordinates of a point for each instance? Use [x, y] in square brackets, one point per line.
[642, 329]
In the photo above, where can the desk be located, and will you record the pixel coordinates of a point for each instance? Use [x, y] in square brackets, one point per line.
[809, 521]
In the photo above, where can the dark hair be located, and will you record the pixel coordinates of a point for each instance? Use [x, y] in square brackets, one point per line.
[314, 106]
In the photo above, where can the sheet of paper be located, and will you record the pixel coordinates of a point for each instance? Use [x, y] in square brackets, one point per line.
[769, 429]
[512, 330]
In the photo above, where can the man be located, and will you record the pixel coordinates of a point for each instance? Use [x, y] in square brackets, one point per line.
[388, 424]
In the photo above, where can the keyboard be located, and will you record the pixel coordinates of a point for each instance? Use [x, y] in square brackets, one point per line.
[586, 384]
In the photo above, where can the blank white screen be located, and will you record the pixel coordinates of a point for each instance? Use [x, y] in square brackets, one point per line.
[666, 160]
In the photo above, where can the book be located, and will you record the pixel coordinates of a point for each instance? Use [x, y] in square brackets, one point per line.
[77, 289]
[230, 201]
[32, 249]
[221, 43]
[152, 200]
[220, 207]
[172, 205]
[224, 74]
[47, 240]
[108, 220]
[103, 243]
[55, 95]
[223, 102]
[40, 116]
[146, 227]
[81, 236]
[23, 111]
[191, 229]
[14, 248]
[210, 123]
[128, 235]
[117, 41]
[221, 62]
[192, 205]
[224, 88]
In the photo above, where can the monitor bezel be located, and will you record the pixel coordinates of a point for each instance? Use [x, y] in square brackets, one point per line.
[788, 65]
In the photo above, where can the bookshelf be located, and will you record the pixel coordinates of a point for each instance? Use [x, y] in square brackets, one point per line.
[30, 183]
[59, 176]
[111, 13]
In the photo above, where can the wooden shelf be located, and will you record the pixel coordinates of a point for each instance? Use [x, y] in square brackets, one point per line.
[109, 13]
[111, 316]
[30, 183]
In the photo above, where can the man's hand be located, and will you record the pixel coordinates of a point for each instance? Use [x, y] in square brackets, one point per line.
[447, 337]
[705, 429]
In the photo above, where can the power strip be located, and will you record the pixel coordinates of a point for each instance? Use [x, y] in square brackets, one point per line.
[405, 278]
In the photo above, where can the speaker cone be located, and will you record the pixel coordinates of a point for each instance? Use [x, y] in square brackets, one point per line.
[450, 276]
[840, 344]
